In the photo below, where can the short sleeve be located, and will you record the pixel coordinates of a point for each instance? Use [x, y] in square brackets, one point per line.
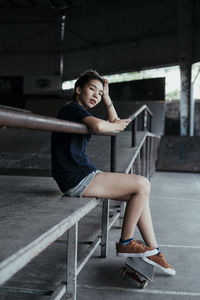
[73, 112]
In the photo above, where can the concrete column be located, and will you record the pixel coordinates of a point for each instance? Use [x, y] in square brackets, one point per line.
[192, 109]
[185, 9]
[185, 105]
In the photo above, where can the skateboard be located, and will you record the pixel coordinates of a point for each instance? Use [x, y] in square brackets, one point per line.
[139, 270]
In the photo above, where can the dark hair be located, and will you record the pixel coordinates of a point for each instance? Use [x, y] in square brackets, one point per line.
[85, 78]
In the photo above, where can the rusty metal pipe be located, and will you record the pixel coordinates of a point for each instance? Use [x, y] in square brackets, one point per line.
[21, 119]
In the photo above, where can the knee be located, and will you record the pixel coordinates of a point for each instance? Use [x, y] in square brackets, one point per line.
[144, 185]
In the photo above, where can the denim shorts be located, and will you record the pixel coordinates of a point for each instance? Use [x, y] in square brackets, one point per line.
[79, 189]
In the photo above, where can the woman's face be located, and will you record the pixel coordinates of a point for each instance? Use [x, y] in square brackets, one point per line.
[91, 94]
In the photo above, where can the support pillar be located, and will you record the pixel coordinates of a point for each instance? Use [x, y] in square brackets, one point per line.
[185, 42]
[185, 99]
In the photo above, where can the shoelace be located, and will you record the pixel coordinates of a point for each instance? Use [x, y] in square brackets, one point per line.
[168, 265]
[139, 246]
[164, 260]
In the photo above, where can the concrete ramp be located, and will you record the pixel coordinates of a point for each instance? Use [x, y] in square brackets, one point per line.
[179, 153]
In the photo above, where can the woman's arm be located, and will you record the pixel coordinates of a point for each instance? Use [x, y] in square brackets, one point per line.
[101, 126]
[110, 109]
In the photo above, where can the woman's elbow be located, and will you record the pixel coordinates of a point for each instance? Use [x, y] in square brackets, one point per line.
[99, 127]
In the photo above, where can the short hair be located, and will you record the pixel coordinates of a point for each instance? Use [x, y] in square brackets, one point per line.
[85, 78]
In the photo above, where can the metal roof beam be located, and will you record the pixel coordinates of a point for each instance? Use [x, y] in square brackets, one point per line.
[53, 4]
[18, 22]
[12, 3]
[129, 40]
[32, 3]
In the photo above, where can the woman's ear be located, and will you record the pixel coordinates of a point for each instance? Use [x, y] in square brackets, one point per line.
[78, 90]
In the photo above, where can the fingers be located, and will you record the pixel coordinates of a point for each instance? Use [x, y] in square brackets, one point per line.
[124, 124]
[128, 120]
[105, 81]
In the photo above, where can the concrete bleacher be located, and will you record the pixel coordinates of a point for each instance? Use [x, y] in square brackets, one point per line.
[33, 215]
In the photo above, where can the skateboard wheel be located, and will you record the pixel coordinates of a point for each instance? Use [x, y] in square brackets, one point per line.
[143, 284]
[123, 271]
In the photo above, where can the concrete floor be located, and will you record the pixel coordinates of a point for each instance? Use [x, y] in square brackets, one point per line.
[175, 205]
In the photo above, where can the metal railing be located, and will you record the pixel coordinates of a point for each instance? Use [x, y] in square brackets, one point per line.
[142, 162]
[146, 125]
[20, 118]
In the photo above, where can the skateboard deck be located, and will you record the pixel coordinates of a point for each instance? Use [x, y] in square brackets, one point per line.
[138, 270]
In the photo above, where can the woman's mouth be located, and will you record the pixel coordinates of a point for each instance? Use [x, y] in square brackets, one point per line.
[92, 101]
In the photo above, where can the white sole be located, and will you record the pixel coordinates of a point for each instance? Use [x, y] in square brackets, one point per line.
[167, 271]
[145, 254]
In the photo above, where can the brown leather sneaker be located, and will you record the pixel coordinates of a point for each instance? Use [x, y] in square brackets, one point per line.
[160, 262]
[134, 249]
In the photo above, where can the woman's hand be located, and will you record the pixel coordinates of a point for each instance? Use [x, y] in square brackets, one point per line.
[106, 98]
[121, 124]
[105, 88]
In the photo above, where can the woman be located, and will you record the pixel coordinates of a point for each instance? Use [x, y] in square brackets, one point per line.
[77, 176]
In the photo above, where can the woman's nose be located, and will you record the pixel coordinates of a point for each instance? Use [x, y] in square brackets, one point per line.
[95, 94]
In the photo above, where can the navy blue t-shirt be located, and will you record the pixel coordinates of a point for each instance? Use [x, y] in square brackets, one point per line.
[70, 164]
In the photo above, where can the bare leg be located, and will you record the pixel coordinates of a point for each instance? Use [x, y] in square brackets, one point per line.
[135, 191]
[145, 226]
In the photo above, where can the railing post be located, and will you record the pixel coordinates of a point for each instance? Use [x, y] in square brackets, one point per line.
[113, 154]
[155, 151]
[157, 148]
[143, 159]
[134, 132]
[138, 164]
[151, 156]
[113, 166]
[150, 123]
[144, 123]
[104, 228]
[106, 202]
[122, 210]
[72, 242]
[148, 157]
